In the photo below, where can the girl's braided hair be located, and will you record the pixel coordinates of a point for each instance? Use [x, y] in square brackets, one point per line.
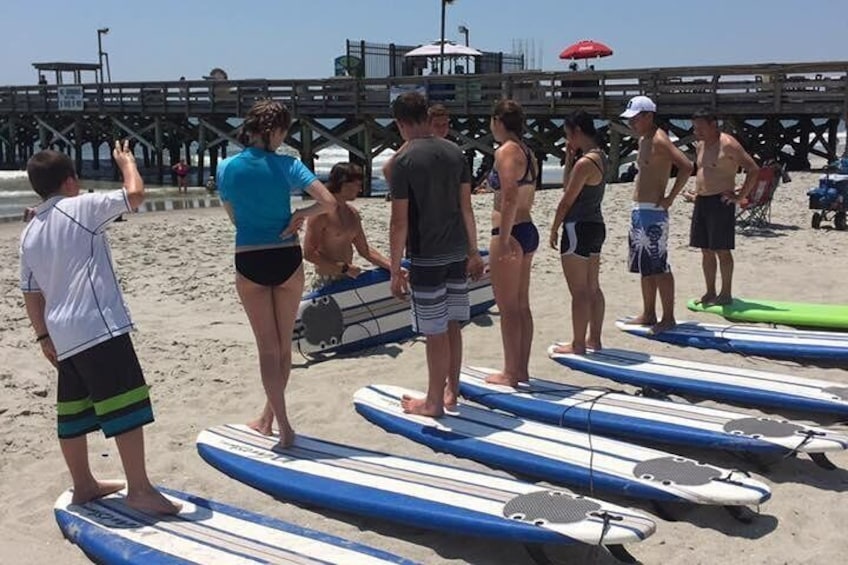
[264, 117]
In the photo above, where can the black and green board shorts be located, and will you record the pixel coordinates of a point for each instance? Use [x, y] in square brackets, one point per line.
[102, 388]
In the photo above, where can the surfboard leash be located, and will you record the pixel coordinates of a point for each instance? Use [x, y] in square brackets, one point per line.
[370, 313]
[590, 401]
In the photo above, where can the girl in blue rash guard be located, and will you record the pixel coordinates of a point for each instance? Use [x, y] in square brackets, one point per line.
[256, 187]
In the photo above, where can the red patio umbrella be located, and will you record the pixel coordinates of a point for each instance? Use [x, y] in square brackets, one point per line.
[586, 49]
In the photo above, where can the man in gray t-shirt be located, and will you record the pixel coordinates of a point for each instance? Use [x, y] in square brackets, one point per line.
[429, 174]
[433, 221]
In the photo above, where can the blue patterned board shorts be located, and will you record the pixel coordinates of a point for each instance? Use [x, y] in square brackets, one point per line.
[648, 240]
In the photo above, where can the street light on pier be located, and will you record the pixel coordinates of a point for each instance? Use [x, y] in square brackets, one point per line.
[442, 42]
[463, 29]
[100, 54]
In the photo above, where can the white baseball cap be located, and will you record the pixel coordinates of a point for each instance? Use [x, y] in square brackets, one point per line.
[637, 105]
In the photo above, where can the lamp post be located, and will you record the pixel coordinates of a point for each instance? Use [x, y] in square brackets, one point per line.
[442, 42]
[464, 30]
[100, 33]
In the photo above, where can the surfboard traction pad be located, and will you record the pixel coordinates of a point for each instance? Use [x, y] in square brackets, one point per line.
[762, 427]
[553, 507]
[676, 470]
[322, 321]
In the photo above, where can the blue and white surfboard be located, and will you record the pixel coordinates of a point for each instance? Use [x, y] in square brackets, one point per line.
[641, 419]
[717, 382]
[831, 347]
[109, 531]
[560, 455]
[417, 493]
[354, 314]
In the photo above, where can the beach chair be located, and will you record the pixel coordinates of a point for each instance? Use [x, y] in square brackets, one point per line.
[756, 210]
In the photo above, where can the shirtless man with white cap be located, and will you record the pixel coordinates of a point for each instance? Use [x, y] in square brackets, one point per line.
[649, 218]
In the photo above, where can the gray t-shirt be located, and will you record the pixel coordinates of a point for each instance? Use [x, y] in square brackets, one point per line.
[429, 174]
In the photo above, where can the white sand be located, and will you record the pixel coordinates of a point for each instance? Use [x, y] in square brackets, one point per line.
[198, 353]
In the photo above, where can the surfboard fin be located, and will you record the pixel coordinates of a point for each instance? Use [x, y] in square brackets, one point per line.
[822, 461]
[741, 513]
[671, 511]
[618, 551]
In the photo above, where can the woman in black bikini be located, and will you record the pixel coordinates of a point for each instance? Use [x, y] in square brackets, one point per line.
[514, 239]
[583, 234]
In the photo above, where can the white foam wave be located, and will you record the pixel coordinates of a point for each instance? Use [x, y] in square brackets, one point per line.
[12, 175]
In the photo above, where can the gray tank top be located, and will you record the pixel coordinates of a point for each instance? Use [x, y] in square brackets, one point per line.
[587, 206]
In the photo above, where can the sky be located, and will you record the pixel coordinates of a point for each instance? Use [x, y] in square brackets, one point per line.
[159, 40]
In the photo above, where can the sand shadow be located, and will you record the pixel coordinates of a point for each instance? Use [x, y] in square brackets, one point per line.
[392, 350]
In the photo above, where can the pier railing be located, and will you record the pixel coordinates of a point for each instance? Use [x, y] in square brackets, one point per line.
[801, 89]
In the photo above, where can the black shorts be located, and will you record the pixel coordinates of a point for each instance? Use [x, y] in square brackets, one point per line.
[713, 224]
[103, 388]
[583, 239]
[269, 267]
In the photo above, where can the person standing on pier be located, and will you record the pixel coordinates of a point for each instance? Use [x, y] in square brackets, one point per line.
[713, 229]
[432, 220]
[649, 218]
[255, 187]
[514, 239]
[331, 238]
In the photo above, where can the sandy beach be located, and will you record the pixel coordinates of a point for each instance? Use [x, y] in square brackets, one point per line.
[198, 353]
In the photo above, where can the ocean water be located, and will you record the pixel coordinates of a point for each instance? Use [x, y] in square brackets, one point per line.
[16, 194]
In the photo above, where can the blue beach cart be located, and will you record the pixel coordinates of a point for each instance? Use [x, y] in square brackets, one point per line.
[830, 198]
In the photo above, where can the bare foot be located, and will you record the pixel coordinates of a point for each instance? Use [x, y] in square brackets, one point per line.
[643, 320]
[594, 345]
[287, 436]
[501, 379]
[95, 490]
[151, 501]
[450, 400]
[663, 325]
[262, 425]
[723, 299]
[569, 348]
[707, 299]
[421, 407]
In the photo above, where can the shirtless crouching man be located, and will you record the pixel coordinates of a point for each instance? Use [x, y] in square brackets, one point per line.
[649, 218]
[331, 238]
[713, 228]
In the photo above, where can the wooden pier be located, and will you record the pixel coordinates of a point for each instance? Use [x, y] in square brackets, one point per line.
[784, 111]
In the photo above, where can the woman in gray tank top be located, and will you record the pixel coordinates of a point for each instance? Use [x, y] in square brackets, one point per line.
[579, 214]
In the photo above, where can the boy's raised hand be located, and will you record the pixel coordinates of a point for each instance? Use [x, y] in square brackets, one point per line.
[122, 154]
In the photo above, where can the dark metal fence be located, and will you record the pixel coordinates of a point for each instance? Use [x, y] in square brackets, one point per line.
[381, 60]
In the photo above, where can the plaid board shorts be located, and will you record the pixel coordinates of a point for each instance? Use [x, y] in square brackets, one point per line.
[439, 295]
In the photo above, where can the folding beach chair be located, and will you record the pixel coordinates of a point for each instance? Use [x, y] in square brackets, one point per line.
[756, 211]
